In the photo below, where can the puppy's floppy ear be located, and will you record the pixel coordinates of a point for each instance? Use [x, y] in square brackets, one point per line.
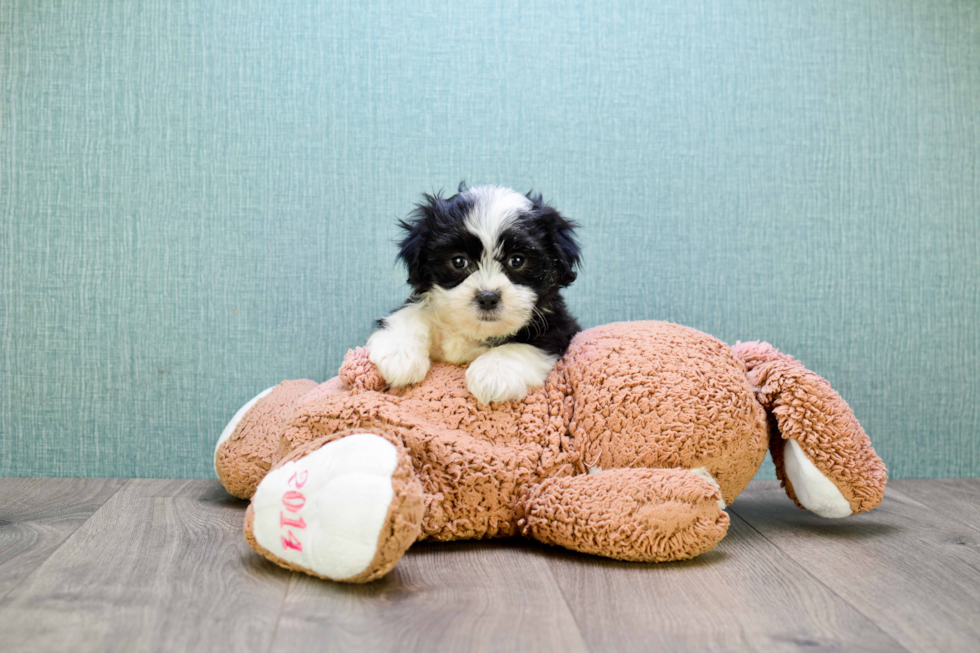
[418, 230]
[561, 234]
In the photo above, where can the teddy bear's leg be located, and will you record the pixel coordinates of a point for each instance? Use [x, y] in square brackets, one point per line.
[344, 507]
[235, 420]
[244, 452]
[641, 515]
[823, 457]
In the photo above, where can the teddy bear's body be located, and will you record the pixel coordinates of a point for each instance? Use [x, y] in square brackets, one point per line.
[640, 436]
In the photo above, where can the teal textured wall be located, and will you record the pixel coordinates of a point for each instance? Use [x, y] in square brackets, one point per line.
[198, 198]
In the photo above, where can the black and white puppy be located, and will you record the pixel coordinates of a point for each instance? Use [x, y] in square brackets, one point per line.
[486, 267]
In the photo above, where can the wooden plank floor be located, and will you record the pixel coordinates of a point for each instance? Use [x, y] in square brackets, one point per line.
[134, 565]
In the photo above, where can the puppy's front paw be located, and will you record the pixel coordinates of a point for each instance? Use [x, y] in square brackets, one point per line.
[507, 372]
[400, 361]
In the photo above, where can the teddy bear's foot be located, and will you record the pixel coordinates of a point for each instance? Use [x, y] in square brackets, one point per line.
[244, 452]
[641, 515]
[814, 491]
[235, 421]
[342, 509]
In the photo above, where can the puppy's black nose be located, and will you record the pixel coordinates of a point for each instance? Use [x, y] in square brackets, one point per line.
[488, 299]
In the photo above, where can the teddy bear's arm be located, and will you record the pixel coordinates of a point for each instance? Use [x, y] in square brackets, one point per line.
[640, 515]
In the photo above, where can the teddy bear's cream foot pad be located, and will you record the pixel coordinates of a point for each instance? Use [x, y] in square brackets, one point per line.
[705, 474]
[814, 491]
[325, 511]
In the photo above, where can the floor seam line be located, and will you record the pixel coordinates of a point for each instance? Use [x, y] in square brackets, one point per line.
[571, 613]
[64, 541]
[931, 507]
[282, 608]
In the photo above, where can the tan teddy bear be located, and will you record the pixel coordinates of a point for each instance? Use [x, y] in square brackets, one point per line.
[642, 434]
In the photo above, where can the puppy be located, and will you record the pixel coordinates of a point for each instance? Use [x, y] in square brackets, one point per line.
[486, 268]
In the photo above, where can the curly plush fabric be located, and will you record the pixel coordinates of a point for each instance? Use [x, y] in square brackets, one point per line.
[654, 394]
[245, 458]
[805, 408]
[640, 515]
[401, 524]
[473, 462]
[638, 405]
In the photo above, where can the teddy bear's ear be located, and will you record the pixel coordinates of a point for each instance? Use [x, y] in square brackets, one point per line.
[561, 234]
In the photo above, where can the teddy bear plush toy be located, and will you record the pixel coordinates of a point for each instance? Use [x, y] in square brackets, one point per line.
[639, 438]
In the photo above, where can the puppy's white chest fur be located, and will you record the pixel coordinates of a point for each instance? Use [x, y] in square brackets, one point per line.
[454, 347]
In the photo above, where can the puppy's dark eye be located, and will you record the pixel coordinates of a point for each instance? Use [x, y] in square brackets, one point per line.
[516, 262]
[460, 263]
